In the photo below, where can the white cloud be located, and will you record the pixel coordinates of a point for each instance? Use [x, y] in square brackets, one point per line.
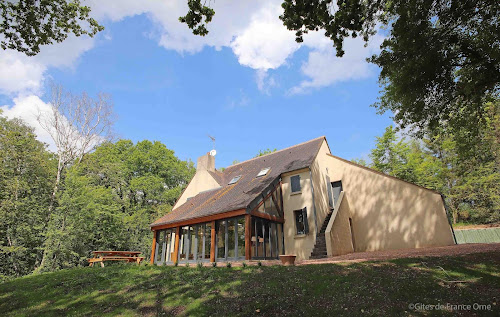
[24, 75]
[265, 43]
[27, 108]
[265, 81]
[324, 68]
[251, 29]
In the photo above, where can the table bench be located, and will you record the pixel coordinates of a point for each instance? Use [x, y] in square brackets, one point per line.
[127, 256]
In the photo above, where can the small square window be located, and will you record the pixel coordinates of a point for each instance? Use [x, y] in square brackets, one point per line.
[301, 221]
[263, 171]
[295, 180]
[234, 180]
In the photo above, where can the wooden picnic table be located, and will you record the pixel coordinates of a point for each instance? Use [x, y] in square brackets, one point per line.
[128, 256]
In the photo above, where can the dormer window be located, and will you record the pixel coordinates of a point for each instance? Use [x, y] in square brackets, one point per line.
[234, 180]
[263, 171]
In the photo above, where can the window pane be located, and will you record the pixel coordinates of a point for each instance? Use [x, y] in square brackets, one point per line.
[241, 237]
[295, 180]
[221, 239]
[199, 234]
[299, 221]
[192, 242]
[208, 240]
[183, 243]
[231, 239]
[169, 251]
[253, 238]
[267, 245]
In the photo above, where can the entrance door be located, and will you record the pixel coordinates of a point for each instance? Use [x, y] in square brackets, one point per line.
[336, 188]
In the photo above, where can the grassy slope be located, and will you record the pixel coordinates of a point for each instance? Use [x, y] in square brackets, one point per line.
[370, 288]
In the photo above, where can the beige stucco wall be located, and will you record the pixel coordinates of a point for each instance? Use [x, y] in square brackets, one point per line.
[338, 233]
[300, 245]
[201, 181]
[388, 213]
[318, 169]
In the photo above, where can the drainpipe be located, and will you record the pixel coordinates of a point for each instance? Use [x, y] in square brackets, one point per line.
[314, 202]
[447, 217]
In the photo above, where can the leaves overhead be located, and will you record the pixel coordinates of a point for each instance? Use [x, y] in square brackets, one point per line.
[25, 25]
[198, 16]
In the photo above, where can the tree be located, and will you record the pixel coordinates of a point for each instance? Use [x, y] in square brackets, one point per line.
[77, 124]
[112, 197]
[264, 152]
[25, 25]
[440, 60]
[26, 176]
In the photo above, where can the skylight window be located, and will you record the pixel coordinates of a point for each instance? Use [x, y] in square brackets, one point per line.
[263, 171]
[234, 180]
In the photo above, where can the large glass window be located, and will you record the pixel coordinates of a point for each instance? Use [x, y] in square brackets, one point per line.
[221, 239]
[241, 236]
[165, 240]
[208, 240]
[265, 239]
[231, 241]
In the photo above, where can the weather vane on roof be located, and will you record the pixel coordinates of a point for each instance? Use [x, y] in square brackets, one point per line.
[213, 152]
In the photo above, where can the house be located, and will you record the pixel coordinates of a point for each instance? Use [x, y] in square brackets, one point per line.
[301, 200]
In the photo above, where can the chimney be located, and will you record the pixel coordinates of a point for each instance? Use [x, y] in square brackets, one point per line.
[206, 163]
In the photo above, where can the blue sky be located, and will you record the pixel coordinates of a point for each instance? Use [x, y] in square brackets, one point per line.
[249, 85]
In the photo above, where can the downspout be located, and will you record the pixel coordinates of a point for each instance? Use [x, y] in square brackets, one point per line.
[447, 217]
[314, 202]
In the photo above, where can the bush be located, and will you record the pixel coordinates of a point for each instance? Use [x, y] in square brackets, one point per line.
[214, 264]
[244, 264]
[228, 264]
[200, 265]
[176, 263]
[259, 263]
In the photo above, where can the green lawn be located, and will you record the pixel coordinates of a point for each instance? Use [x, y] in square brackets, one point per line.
[370, 288]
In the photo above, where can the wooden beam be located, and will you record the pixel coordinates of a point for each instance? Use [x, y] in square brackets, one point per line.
[212, 242]
[267, 216]
[228, 214]
[153, 248]
[176, 245]
[248, 236]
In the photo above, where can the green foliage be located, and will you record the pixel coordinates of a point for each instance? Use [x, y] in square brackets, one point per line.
[214, 264]
[27, 24]
[462, 166]
[26, 173]
[264, 152]
[228, 264]
[194, 17]
[112, 196]
[106, 202]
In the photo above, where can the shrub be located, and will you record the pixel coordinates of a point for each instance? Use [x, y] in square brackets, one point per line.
[244, 264]
[214, 264]
[176, 263]
[228, 264]
[259, 263]
[200, 265]
[187, 264]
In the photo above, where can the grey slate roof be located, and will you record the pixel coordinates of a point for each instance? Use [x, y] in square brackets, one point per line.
[249, 187]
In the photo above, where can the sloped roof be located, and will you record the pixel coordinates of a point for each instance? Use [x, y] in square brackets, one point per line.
[242, 193]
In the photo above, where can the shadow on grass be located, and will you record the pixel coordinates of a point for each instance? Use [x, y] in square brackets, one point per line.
[370, 288]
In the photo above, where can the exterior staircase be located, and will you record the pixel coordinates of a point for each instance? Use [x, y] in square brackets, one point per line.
[319, 250]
